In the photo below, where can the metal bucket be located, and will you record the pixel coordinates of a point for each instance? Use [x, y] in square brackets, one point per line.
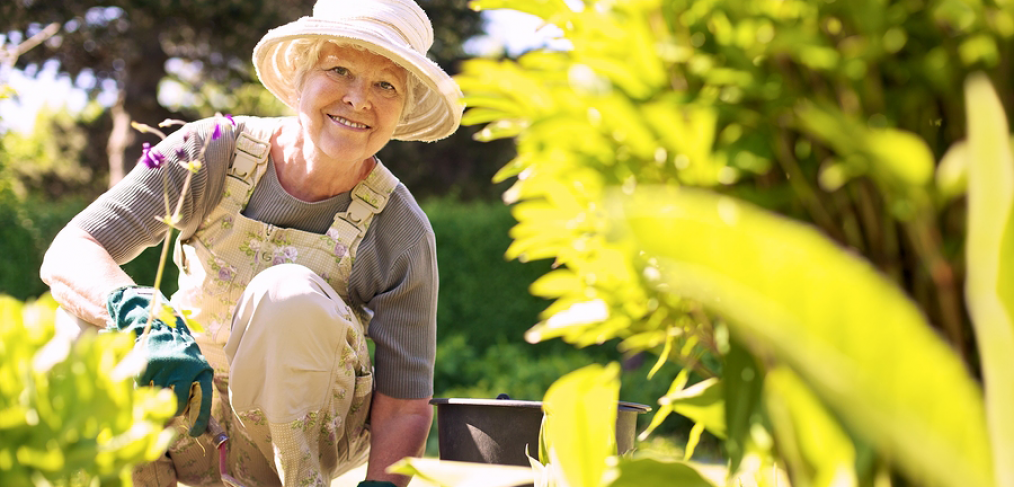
[498, 430]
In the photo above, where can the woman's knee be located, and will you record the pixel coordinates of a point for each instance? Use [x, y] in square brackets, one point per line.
[290, 305]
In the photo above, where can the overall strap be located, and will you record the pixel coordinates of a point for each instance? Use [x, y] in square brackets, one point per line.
[247, 163]
[250, 157]
[369, 197]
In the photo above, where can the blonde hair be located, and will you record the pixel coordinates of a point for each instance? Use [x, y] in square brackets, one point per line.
[304, 54]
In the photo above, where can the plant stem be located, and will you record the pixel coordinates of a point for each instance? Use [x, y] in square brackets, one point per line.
[926, 240]
[799, 184]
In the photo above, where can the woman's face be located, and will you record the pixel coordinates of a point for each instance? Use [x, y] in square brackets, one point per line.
[351, 102]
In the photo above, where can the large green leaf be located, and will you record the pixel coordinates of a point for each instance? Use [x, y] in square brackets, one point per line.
[990, 256]
[742, 398]
[858, 341]
[580, 424]
[644, 472]
[445, 473]
[809, 439]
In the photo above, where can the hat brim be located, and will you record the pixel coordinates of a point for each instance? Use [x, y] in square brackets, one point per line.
[437, 110]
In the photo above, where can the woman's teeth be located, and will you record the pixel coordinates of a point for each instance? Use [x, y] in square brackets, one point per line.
[348, 123]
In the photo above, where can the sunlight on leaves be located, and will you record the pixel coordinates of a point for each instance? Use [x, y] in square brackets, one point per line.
[64, 418]
[444, 473]
[814, 446]
[643, 472]
[580, 424]
[787, 289]
[703, 402]
[990, 256]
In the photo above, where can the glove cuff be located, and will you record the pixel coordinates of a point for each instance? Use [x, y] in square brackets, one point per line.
[129, 305]
[115, 296]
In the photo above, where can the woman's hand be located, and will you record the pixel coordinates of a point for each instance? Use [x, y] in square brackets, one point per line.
[173, 359]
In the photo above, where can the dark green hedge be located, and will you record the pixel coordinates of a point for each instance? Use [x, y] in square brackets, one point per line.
[28, 228]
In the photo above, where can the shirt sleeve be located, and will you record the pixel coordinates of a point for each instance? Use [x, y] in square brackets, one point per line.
[404, 303]
[126, 219]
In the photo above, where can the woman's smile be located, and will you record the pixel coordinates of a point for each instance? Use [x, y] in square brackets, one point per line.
[348, 123]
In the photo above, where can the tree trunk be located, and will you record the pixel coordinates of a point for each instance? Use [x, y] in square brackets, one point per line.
[137, 100]
[119, 138]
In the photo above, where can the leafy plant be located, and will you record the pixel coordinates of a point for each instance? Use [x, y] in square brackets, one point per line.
[802, 289]
[830, 409]
[66, 417]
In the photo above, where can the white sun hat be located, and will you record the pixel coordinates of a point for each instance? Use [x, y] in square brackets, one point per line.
[396, 29]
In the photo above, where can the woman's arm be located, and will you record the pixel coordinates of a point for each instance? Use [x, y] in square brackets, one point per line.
[399, 428]
[81, 273]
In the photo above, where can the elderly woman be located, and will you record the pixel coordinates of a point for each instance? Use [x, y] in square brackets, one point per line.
[296, 244]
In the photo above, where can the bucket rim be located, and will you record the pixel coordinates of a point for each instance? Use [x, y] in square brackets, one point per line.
[461, 401]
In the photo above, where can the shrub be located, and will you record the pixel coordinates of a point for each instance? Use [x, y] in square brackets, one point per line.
[65, 417]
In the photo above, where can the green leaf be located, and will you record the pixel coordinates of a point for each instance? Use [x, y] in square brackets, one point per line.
[554, 284]
[191, 323]
[859, 342]
[809, 438]
[952, 172]
[743, 382]
[580, 422]
[703, 402]
[902, 154]
[895, 157]
[445, 473]
[663, 412]
[644, 472]
[693, 440]
[990, 256]
[502, 129]
[479, 115]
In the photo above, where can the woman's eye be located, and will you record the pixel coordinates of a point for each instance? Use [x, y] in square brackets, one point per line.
[385, 85]
[339, 70]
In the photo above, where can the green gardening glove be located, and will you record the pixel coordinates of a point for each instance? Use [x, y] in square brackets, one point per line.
[173, 358]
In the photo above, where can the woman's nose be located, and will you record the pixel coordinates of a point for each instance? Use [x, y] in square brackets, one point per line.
[357, 96]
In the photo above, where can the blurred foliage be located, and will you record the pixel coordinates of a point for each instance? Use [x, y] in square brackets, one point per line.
[829, 114]
[65, 420]
[806, 307]
[29, 227]
[990, 289]
[49, 163]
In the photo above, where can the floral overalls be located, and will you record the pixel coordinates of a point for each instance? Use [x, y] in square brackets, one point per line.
[217, 262]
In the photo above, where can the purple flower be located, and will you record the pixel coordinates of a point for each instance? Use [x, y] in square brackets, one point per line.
[215, 134]
[225, 274]
[150, 157]
[278, 260]
[340, 250]
[181, 154]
